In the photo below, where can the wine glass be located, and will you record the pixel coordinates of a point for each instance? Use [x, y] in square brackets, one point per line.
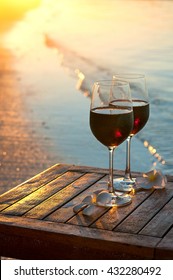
[139, 94]
[111, 121]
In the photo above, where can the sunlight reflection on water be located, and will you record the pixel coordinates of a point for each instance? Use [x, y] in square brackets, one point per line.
[66, 44]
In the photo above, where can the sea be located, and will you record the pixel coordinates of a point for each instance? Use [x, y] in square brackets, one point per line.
[63, 47]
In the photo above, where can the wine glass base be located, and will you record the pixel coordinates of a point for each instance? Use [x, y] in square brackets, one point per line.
[102, 198]
[123, 185]
[116, 201]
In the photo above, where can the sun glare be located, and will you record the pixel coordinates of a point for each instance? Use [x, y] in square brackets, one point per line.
[12, 9]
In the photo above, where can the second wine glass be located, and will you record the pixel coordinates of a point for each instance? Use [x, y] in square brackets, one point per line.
[111, 121]
[139, 94]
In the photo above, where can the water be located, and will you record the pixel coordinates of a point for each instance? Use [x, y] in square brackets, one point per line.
[62, 47]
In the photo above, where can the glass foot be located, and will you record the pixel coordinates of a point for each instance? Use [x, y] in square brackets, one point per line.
[101, 198]
[112, 200]
[120, 184]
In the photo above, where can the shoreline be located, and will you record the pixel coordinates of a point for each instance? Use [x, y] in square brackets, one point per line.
[23, 152]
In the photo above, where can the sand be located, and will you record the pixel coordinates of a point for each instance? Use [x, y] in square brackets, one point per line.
[23, 151]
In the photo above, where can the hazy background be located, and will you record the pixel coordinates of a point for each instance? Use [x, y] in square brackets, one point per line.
[62, 47]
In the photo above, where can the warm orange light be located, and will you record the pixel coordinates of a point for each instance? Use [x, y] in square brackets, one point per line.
[12, 9]
[18, 3]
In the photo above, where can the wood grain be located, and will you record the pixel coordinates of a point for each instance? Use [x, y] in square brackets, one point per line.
[42, 194]
[37, 220]
[33, 184]
[161, 223]
[145, 212]
[72, 236]
[115, 216]
[66, 212]
[164, 249]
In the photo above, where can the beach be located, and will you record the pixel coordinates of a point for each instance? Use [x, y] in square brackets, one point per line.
[24, 153]
[46, 74]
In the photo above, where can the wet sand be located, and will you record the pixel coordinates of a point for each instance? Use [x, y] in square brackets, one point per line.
[23, 151]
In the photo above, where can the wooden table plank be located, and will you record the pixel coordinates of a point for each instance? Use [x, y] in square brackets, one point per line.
[37, 220]
[33, 184]
[104, 171]
[164, 249]
[54, 234]
[83, 220]
[114, 216]
[161, 223]
[40, 195]
[3, 206]
[146, 211]
[57, 200]
[66, 212]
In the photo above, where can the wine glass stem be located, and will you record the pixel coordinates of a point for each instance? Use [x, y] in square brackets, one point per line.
[128, 170]
[110, 182]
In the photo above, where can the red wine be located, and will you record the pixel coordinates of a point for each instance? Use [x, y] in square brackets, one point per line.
[141, 115]
[111, 125]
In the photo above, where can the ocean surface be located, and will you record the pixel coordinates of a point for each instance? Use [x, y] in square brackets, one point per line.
[62, 47]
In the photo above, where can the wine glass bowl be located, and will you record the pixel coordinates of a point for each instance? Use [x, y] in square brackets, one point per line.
[141, 115]
[115, 125]
[111, 121]
[139, 94]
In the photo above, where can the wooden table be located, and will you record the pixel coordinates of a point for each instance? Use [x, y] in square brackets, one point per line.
[37, 219]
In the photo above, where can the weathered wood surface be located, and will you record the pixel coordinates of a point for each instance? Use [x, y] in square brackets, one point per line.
[37, 220]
